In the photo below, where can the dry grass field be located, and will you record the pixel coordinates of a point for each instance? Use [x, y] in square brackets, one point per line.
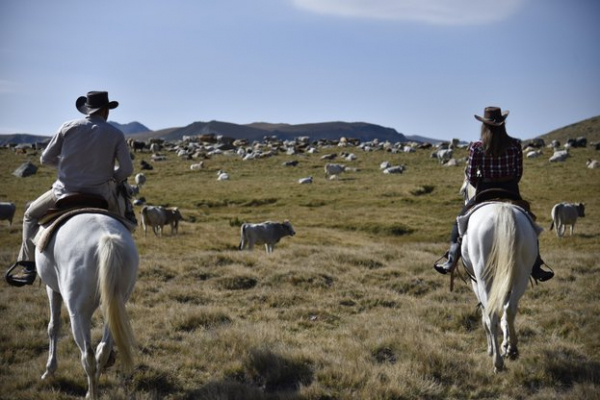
[349, 308]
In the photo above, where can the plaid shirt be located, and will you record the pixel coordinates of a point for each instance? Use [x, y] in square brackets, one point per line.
[507, 165]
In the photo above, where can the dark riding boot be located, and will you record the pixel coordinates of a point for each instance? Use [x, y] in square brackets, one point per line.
[538, 273]
[24, 277]
[452, 255]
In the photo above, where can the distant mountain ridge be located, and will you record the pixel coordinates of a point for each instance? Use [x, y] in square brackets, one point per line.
[259, 130]
[22, 138]
[130, 128]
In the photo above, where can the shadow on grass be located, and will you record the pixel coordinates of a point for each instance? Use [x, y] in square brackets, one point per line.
[568, 368]
[69, 387]
[265, 376]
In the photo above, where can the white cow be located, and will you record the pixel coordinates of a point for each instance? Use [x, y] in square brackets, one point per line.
[305, 181]
[197, 166]
[157, 217]
[592, 164]
[560, 156]
[564, 214]
[7, 212]
[267, 233]
[534, 153]
[140, 180]
[444, 155]
[397, 169]
[222, 176]
[334, 169]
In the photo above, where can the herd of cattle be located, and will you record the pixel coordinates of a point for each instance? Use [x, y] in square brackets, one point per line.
[269, 233]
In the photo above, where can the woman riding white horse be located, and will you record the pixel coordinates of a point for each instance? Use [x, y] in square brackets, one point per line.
[494, 168]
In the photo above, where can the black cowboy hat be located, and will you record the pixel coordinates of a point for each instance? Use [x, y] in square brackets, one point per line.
[93, 102]
[493, 116]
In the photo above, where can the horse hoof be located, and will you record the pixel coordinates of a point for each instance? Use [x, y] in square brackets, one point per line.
[511, 354]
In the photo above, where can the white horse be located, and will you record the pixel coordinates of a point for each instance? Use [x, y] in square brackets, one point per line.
[92, 260]
[499, 249]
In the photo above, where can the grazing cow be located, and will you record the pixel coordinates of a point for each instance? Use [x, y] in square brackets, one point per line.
[559, 156]
[267, 233]
[155, 147]
[140, 180]
[7, 212]
[157, 217]
[334, 169]
[592, 164]
[304, 181]
[564, 214]
[398, 169]
[197, 166]
[444, 155]
[136, 145]
[222, 176]
[534, 153]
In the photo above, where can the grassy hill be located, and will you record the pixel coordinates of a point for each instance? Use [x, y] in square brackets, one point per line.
[589, 128]
[349, 308]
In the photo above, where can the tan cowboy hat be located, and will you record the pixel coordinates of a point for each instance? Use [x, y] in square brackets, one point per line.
[93, 102]
[493, 116]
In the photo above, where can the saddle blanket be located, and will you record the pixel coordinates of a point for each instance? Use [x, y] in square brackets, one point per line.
[42, 238]
[463, 220]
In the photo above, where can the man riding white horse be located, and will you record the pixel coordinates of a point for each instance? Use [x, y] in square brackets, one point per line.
[85, 152]
[494, 168]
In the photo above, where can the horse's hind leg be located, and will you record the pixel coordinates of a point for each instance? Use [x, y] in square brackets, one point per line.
[80, 324]
[509, 344]
[104, 352]
[492, 325]
[55, 301]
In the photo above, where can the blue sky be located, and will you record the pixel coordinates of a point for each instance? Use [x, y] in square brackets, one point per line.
[422, 67]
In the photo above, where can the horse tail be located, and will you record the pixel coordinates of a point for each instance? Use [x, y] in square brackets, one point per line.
[111, 255]
[144, 218]
[553, 214]
[243, 235]
[501, 266]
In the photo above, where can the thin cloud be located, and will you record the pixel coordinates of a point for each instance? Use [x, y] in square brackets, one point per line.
[437, 12]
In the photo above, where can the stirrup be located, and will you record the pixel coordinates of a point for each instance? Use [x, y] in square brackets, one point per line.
[543, 275]
[438, 267]
[26, 277]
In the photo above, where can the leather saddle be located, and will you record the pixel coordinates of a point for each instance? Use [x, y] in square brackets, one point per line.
[73, 201]
[504, 196]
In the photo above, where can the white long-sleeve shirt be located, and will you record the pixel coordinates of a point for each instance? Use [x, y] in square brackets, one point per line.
[85, 152]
